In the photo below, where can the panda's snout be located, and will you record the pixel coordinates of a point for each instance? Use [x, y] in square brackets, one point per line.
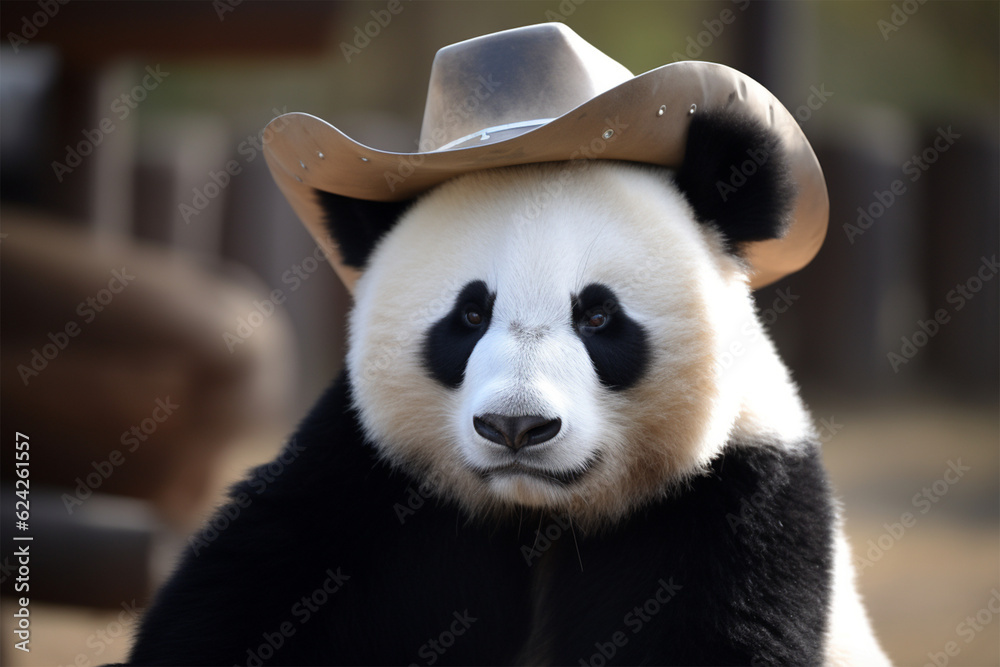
[517, 431]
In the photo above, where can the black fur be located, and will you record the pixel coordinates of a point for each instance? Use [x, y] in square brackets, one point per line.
[736, 177]
[411, 565]
[740, 560]
[619, 350]
[747, 549]
[450, 341]
[356, 225]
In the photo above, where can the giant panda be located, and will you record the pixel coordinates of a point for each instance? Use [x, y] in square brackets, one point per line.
[562, 436]
[534, 455]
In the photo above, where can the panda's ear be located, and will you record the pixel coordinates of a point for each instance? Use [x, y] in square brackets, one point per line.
[356, 225]
[736, 177]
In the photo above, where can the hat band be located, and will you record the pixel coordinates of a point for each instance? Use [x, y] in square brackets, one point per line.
[487, 134]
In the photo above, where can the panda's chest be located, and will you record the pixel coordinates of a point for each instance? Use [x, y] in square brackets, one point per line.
[592, 598]
[685, 567]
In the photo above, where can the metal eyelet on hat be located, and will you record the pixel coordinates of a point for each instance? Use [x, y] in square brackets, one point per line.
[662, 110]
[320, 154]
[694, 107]
[608, 134]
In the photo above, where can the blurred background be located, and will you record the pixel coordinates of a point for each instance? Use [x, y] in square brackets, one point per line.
[141, 236]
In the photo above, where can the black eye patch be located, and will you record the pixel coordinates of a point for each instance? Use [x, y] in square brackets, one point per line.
[618, 345]
[450, 341]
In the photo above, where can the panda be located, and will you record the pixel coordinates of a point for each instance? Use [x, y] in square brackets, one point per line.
[533, 455]
[539, 451]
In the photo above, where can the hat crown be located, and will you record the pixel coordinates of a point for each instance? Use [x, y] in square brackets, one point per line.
[498, 86]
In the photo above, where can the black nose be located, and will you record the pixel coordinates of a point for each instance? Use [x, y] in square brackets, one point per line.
[518, 431]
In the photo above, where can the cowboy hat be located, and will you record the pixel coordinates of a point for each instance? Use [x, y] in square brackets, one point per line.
[542, 94]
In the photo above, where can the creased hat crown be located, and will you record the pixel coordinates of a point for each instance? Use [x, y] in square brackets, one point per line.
[498, 86]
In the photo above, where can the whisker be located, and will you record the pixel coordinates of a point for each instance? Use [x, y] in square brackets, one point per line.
[537, 532]
[579, 557]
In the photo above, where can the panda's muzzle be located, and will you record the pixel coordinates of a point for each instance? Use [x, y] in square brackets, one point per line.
[516, 432]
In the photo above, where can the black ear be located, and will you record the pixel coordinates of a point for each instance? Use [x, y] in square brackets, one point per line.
[736, 177]
[356, 225]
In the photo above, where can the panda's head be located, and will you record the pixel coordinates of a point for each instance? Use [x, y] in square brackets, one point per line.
[549, 335]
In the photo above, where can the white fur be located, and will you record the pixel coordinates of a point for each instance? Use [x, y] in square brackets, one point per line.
[850, 640]
[537, 235]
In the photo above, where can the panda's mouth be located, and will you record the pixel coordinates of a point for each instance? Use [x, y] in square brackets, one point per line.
[562, 477]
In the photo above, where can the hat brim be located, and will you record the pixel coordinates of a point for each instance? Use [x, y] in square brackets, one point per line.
[305, 153]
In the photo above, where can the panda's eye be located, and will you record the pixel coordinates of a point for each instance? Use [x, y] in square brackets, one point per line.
[449, 342]
[596, 320]
[473, 317]
[616, 343]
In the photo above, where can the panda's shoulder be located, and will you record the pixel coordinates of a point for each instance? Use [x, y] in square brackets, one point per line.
[327, 465]
[745, 544]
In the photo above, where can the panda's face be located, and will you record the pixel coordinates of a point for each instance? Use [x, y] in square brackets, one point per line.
[546, 336]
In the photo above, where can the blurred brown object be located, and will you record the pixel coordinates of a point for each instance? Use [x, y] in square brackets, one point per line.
[116, 366]
[98, 32]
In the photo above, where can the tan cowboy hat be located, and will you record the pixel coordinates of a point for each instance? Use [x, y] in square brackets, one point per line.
[542, 94]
